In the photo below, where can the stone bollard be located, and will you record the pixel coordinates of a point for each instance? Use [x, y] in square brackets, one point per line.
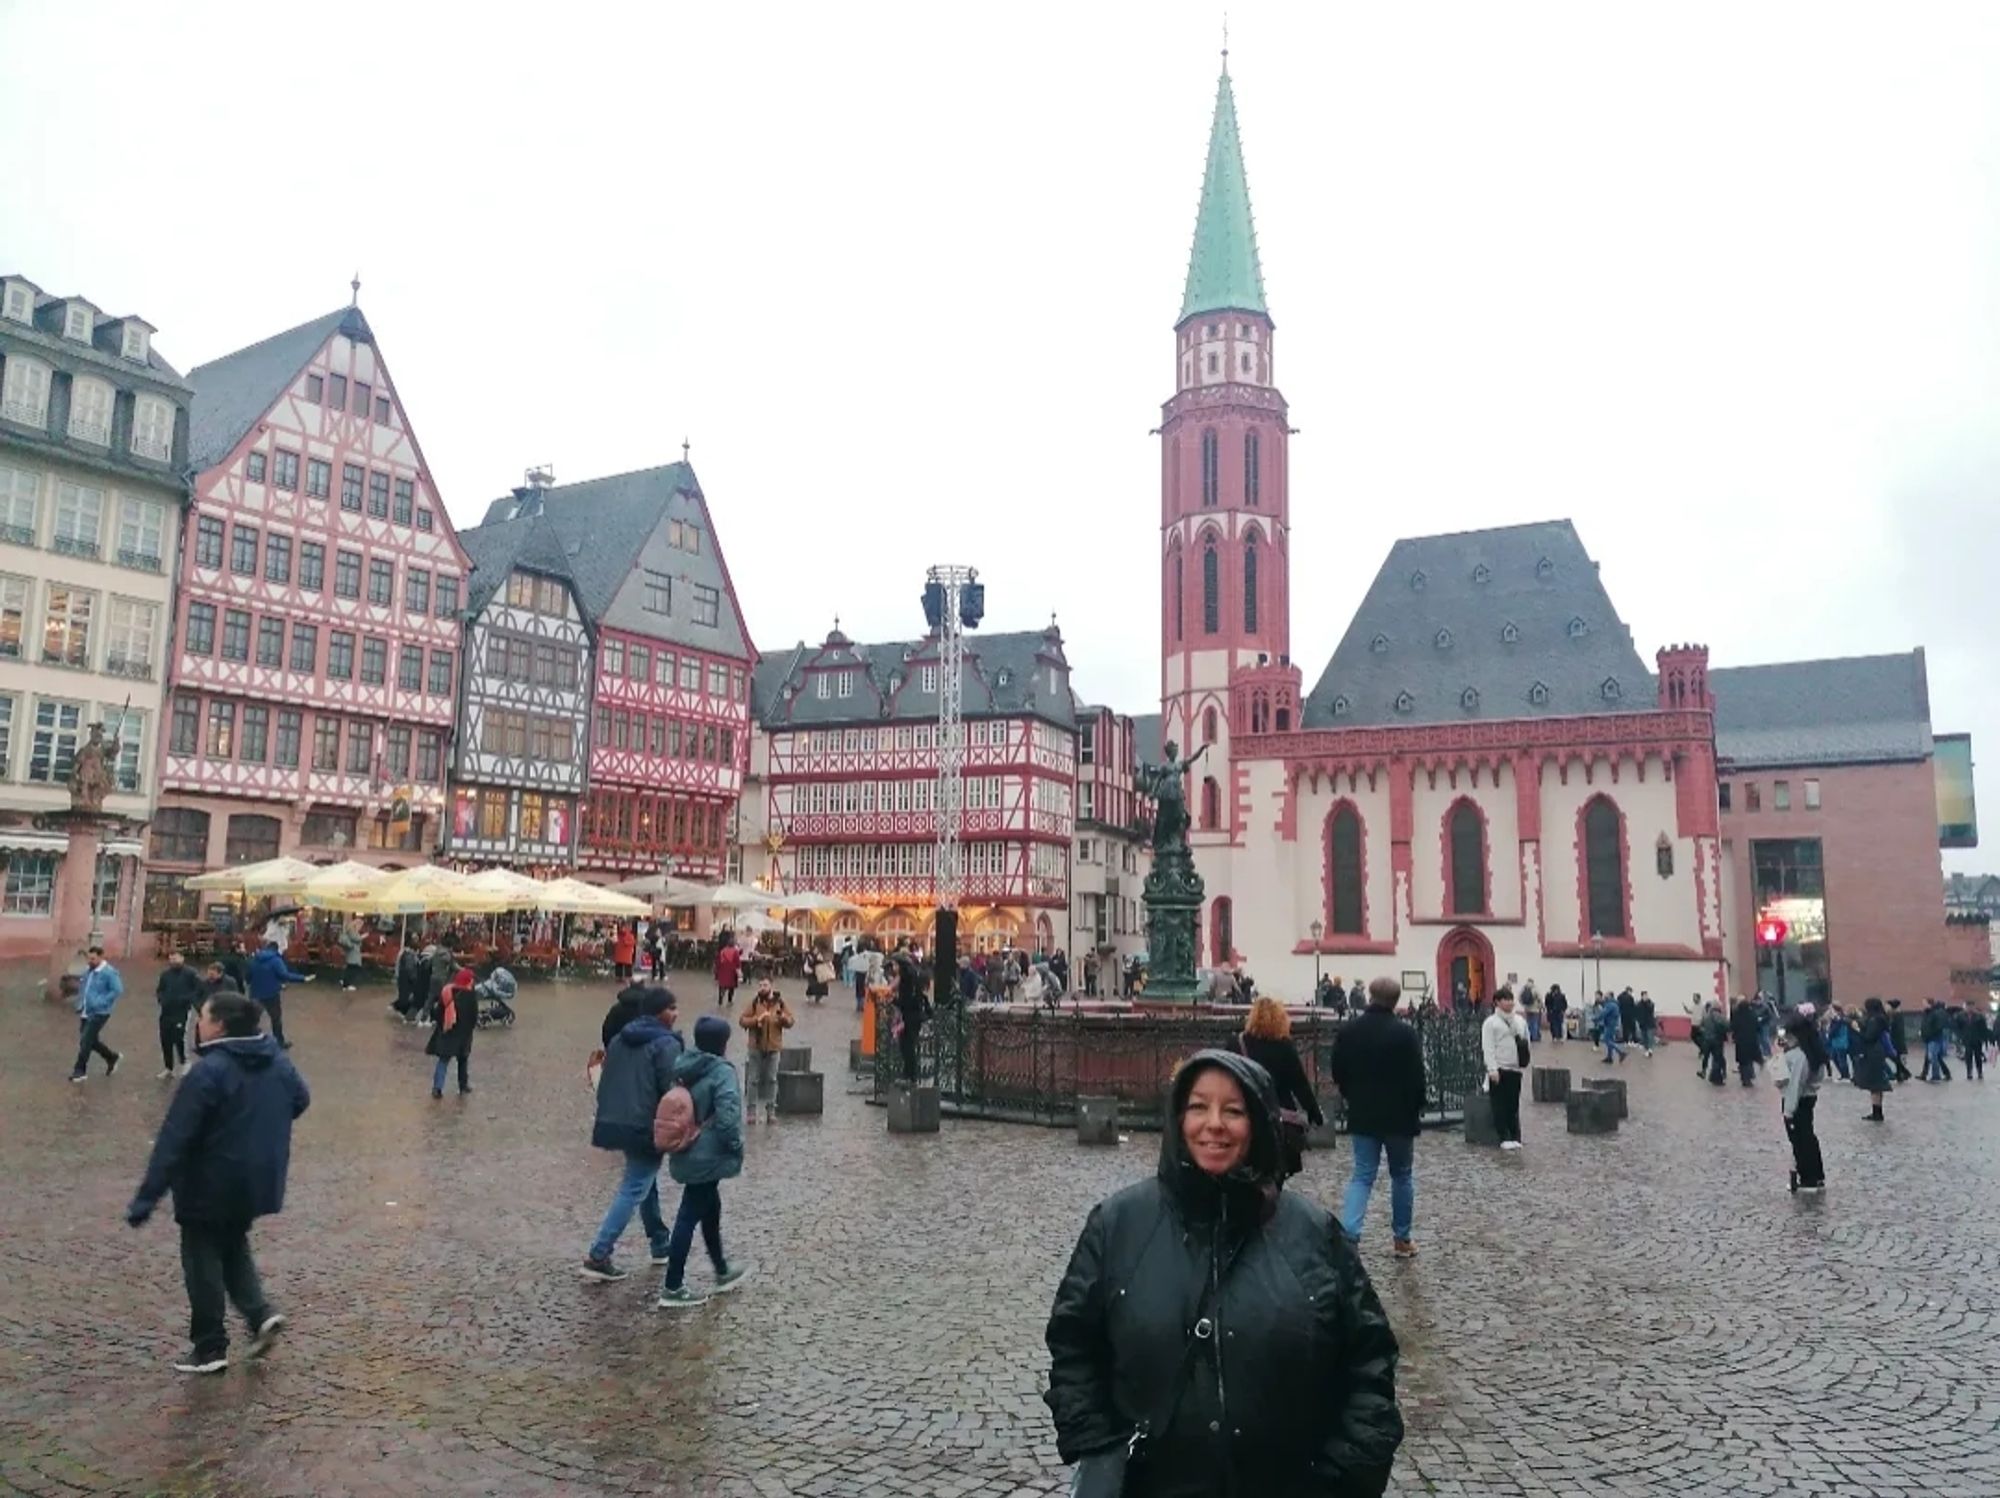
[913, 1110]
[1591, 1112]
[796, 1058]
[1479, 1128]
[1614, 1088]
[1097, 1120]
[855, 1060]
[1551, 1083]
[801, 1093]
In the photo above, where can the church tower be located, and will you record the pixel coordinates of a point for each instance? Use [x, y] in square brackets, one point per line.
[1224, 503]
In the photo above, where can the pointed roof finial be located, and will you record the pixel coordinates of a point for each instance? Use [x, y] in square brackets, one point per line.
[355, 300]
[684, 449]
[1225, 41]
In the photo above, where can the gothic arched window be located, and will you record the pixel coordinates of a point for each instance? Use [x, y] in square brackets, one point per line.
[1604, 866]
[1179, 591]
[1211, 804]
[1250, 585]
[1208, 726]
[1211, 467]
[1253, 469]
[1211, 591]
[1344, 870]
[1223, 931]
[1467, 831]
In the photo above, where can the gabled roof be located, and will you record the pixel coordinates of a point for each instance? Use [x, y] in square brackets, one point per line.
[498, 548]
[231, 394]
[1223, 270]
[1002, 679]
[1146, 742]
[1861, 709]
[1493, 624]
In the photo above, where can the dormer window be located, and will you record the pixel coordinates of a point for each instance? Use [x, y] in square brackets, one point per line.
[1482, 573]
[1418, 581]
[1443, 641]
[1004, 677]
[823, 686]
[20, 303]
[844, 684]
[90, 412]
[927, 679]
[1611, 690]
[1538, 694]
[1545, 569]
[1510, 633]
[77, 322]
[1469, 699]
[1577, 628]
[1405, 702]
[133, 345]
[1380, 644]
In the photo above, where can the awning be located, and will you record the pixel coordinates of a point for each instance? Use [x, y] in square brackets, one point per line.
[124, 848]
[27, 840]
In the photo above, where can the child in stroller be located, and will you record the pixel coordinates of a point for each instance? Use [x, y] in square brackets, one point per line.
[495, 993]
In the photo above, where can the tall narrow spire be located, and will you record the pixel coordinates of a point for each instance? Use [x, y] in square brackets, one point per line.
[1223, 272]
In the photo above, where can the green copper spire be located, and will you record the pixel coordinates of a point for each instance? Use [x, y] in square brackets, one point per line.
[1223, 271]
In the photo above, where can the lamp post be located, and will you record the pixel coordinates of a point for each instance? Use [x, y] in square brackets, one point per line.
[1597, 951]
[1316, 928]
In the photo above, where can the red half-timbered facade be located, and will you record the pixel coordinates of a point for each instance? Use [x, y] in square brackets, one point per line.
[1113, 850]
[847, 770]
[315, 646]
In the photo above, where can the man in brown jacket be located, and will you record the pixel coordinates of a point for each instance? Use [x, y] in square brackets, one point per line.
[767, 1019]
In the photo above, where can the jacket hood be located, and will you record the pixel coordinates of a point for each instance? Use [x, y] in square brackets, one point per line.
[694, 1065]
[251, 1052]
[1260, 1175]
[711, 1034]
[642, 1031]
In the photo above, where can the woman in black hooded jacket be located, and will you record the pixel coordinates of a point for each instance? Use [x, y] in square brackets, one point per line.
[1216, 1332]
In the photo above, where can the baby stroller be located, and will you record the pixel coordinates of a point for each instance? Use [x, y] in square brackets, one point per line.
[495, 997]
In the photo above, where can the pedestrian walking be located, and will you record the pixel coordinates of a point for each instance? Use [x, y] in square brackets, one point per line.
[1610, 1022]
[1977, 1036]
[1805, 1067]
[1197, 1271]
[99, 994]
[411, 975]
[440, 964]
[1931, 1031]
[1503, 1044]
[765, 1021]
[350, 957]
[1628, 1017]
[1899, 1038]
[1267, 1040]
[1840, 1040]
[1378, 1066]
[1712, 1034]
[639, 1059]
[1529, 1004]
[215, 979]
[1648, 1019]
[1746, 1031]
[1874, 1052]
[178, 993]
[624, 950]
[452, 1030]
[269, 973]
[728, 970]
[223, 1150]
[913, 1007]
[714, 1156]
[819, 976]
[857, 975]
[1557, 1007]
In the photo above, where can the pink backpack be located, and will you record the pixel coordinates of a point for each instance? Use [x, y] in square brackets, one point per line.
[675, 1127]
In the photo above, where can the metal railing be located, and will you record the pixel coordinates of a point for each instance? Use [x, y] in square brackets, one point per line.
[1032, 1065]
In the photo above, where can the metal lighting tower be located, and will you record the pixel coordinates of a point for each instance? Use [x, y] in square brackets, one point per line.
[954, 601]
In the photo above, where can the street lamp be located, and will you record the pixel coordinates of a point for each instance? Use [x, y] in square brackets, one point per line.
[1316, 928]
[1597, 950]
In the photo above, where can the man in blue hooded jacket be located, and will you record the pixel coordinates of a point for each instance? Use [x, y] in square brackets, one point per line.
[638, 1069]
[269, 973]
[223, 1151]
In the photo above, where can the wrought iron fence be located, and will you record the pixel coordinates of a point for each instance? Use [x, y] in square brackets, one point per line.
[1032, 1066]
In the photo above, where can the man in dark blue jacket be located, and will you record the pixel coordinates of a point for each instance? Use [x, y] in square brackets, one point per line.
[223, 1152]
[269, 973]
[638, 1069]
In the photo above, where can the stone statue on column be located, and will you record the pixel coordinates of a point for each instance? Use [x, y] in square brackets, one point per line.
[1173, 893]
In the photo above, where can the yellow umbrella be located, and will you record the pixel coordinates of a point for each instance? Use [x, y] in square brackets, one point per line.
[574, 897]
[412, 892]
[271, 876]
[343, 886]
[499, 889]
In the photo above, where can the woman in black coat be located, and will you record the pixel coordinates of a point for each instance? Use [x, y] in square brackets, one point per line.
[1749, 1038]
[451, 1031]
[1871, 1057]
[1267, 1040]
[1216, 1336]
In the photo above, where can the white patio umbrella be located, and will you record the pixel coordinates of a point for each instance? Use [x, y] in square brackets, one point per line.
[342, 886]
[668, 889]
[739, 897]
[517, 891]
[575, 897]
[814, 902]
[411, 892]
[271, 876]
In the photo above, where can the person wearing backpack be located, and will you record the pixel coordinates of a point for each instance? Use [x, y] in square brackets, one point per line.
[704, 1149]
[639, 1065]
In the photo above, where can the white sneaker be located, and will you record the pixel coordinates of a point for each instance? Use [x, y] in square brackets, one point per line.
[163, 1076]
[1510, 1144]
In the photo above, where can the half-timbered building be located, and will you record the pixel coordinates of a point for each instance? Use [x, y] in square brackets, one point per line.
[670, 697]
[1113, 851]
[518, 763]
[846, 762]
[315, 668]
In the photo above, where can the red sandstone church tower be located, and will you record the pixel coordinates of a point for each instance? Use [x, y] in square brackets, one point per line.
[1224, 503]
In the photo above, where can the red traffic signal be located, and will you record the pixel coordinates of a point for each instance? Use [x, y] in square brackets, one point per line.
[1771, 932]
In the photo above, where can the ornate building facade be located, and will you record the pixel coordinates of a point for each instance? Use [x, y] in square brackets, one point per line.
[316, 643]
[1113, 850]
[93, 439]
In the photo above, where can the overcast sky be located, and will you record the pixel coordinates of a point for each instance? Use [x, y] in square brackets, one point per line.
[1716, 282]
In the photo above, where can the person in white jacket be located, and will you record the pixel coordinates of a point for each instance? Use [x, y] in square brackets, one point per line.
[1502, 1040]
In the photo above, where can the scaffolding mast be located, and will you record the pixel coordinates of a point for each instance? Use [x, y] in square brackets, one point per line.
[948, 867]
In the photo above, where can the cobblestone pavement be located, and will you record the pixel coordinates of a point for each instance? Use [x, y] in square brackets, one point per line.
[1650, 1313]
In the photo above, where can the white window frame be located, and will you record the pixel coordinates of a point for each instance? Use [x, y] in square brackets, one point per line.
[135, 343]
[78, 615]
[131, 629]
[927, 679]
[17, 896]
[845, 683]
[823, 686]
[17, 594]
[10, 714]
[52, 708]
[142, 532]
[24, 395]
[20, 505]
[1086, 803]
[117, 719]
[76, 500]
[77, 323]
[20, 303]
[90, 403]
[153, 428]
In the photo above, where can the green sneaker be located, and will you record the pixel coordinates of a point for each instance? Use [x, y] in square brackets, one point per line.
[674, 1300]
[729, 1279]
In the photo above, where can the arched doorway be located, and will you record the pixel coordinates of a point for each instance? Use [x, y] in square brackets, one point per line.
[1045, 934]
[1465, 957]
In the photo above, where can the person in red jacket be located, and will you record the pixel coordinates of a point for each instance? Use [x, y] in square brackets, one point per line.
[728, 969]
[624, 948]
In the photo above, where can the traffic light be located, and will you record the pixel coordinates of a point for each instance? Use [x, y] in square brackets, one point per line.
[1771, 932]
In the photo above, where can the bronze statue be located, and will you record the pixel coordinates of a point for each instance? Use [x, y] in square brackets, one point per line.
[90, 772]
[1167, 785]
[1173, 890]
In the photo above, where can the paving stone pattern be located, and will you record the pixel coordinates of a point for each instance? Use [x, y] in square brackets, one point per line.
[1646, 1313]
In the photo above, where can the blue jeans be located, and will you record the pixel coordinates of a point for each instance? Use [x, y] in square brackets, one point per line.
[438, 1071]
[701, 1206]
[1934, 1068]
[1368, 1151]
[1612, 1049]
[1534, 1027]
[1556, 1028]
[638, 1190]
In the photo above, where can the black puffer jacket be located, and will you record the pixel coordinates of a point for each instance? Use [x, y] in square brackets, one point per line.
[1300, 1402]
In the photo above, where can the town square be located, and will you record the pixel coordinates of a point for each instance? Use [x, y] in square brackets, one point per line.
[812, 894]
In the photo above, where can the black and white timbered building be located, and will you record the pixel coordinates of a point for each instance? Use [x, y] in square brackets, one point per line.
[518, 767]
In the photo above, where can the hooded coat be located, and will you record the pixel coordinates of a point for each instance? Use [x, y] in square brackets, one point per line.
[226, 1143]
[1292, 1391]
[638, 1069]
[1748, 1035]
[269, 973]
[449, 1044]
[717, 1152]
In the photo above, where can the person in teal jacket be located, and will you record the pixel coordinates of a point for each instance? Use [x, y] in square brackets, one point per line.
[102, 988]
[715, 1156]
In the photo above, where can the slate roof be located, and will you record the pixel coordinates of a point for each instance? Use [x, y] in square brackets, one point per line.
[1006, 675]
[1494, 624]
[496, 549]
[232, 393]
[1223, 270]
[1146, 739]
[1857, 710]
[101, 350]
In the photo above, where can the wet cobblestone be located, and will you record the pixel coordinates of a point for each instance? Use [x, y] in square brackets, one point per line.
[1650, 1313]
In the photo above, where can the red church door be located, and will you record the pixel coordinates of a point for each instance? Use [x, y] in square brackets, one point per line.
[1465, 967]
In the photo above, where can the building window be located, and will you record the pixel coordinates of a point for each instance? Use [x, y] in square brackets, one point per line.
[1223, 929]
[76, 323]
[221, 728]
[270, 642]
[319, 478]
[24, 394]
[1344, 871]
[235, 635]
[184, 728]
[417, 590]
[79, 519]
[254, 465]
[1179, 591]
[718, 680]
[1211, 803]
[378, 493]
[243, 550]
[381, 581]
[406, 495]
[251, 839]
[447, 595]
[287, 476]
[399, 751]
[336, 392]
[1604, 866]
[277, 558]
[328, 829]
[1722, 795]
[90, 412]
[180, 835]
[52, 749]
[153, 428]
[1753, 797]
[423, 520]
[410, 668]
[347, 574]
[207, 541]
[315, 389]
[66, 626]
[1210, 465]
[290, 724]
[326, 743]
[382, 410]
[374, 661]
[1211, 591]
[1812, 795]
[256, 742]
[20, 303]
[360, 746]
[340, 655]
[305, 647]
[440, 673]
[1781, 795]
[128, 638]
[20, 505]
[430, 757]
[352, 478]
[31, 883]
[364, 398]
[1250, 584]
[312, 566]
[659, 592]
[1253, 469]
[1467, 829]
[707, 605]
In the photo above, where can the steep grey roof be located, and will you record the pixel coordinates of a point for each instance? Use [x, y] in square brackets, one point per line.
[232, 392]
[100, 351]
[497, 548]
[1146, 739]
[1493, 624]
[1005, 675]
[1861, 709]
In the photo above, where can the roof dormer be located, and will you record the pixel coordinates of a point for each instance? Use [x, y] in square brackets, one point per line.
[17, 299]
[79, 320]
[131, 337]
